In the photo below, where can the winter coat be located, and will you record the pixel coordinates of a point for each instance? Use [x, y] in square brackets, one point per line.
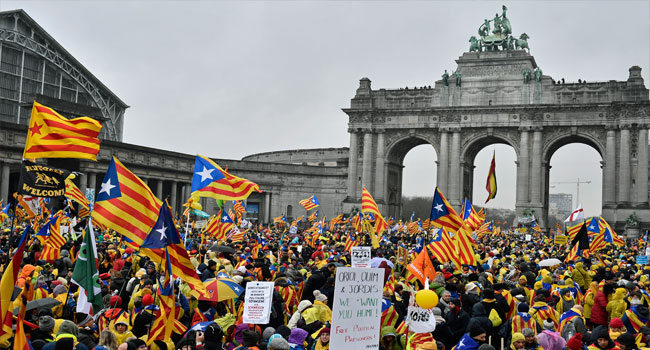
[581, 276]
[480, 318]
[324, 312]
[293, 322]
[617, 306]
[599, 315]
[589, 299]
[456, 322]
[400, 341]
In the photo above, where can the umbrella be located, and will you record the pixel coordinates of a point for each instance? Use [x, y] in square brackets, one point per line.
[221, 289]
[550, 262]
[44, 303]
[222, 249]
[374, 262]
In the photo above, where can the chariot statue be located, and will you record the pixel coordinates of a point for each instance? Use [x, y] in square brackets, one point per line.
[496, 35]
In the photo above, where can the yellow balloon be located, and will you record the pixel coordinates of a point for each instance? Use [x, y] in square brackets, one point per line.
[426, 299]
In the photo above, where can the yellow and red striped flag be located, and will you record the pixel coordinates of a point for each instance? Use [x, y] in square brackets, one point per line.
[369, 206]
[125, 204]
[73, 193]
[464, 245]
[51, 135]
[7, 284]
[443, 247]
[310, 203]
[52, 249]
[164, 325]
[491, 184]
[210, 180]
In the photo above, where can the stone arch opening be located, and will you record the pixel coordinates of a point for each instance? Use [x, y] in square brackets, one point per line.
[421, 173]
[477, 155]
[572, 174]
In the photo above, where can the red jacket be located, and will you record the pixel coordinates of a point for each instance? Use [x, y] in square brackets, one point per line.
[599, 313]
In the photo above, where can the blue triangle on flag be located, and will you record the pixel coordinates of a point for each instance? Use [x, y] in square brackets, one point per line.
[110, 187]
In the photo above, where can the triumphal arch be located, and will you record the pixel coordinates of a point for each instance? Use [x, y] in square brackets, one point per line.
[499, 94]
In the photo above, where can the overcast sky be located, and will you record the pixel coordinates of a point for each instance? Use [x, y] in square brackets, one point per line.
[232, 78]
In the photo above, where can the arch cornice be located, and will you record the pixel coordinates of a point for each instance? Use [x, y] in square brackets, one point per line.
[106, 104]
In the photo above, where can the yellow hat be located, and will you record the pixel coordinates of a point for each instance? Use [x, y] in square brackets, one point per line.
[517, 337]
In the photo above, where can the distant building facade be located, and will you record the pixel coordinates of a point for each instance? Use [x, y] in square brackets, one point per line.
[560, 203]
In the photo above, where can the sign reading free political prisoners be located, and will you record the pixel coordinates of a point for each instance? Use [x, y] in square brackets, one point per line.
[41, 181]
[357, 308]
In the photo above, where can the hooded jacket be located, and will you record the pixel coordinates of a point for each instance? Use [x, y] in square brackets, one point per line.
[24, 275]
[400, 341]
[617, 306]
[293, 322]
[589, 299]
[599, 315]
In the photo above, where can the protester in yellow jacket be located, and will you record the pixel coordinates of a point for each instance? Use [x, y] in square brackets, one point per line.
[617, 306]
[320, 304]
[589, 299]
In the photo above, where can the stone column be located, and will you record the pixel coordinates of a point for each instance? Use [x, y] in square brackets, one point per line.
[642, 168]
[443, 162]
[624, 165]
[267, 207]
[4, 182]
[159, 189]
[380, 188]
[184, 195]
[536, 169]
[523, 165]
[366, 177]
[454, 170]
[83, 183]
[174, 198]
[609, 175]
[187, 188]
[352, 165]
[92, 181]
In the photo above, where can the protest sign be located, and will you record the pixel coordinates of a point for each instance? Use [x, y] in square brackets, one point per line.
[642, 259]
[528, 237]
[560, 240]
[357, 308]
[420, 320]
[360, 257]
[257, 302]
[647, 251]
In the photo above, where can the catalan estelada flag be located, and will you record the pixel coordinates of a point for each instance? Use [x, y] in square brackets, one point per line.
[209, 180]
[491, 184]
[369, 206]
[164, 242]
[443, 248]
[163, 325]
[52, 249]
[51, 135]
[443, 215]
[125, 204]
[310, 203]
[7, 287]
[472, 219]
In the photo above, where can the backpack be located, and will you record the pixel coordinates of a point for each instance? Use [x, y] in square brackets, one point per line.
[569, 330]
[495, 318]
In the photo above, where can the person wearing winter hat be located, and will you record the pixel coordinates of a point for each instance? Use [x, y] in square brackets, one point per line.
[266, 335]
[249, 341]
[456, 321]
[323, 342]
[518, 341]
[616, 328]
[44, 330]
[320, 304]
[297, 339]
[430, 345]
[601, 339]
[626, 342]
[66, 337]
[575, 342]
[278, 344]
[531, 339]
[86, 332]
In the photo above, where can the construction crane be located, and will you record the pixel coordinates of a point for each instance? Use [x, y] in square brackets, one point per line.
[577, 183]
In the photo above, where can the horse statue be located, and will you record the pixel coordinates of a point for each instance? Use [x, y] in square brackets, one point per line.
[522, 42]
[475, 44]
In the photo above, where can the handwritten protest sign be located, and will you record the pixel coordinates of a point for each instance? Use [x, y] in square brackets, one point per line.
[257, 302]
[357, 308]
[360, 257]
[420, 320]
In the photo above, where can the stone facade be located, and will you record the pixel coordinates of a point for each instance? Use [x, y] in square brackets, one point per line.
[493, 103]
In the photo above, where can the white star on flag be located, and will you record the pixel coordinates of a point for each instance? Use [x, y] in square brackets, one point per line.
[438, 207]
[107, 187]
[162, 230]
[205, 174]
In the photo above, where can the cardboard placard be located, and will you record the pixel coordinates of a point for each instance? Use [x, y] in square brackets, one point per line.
[257, 302]
[356, 313]
[561, 240]
[360, 257]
